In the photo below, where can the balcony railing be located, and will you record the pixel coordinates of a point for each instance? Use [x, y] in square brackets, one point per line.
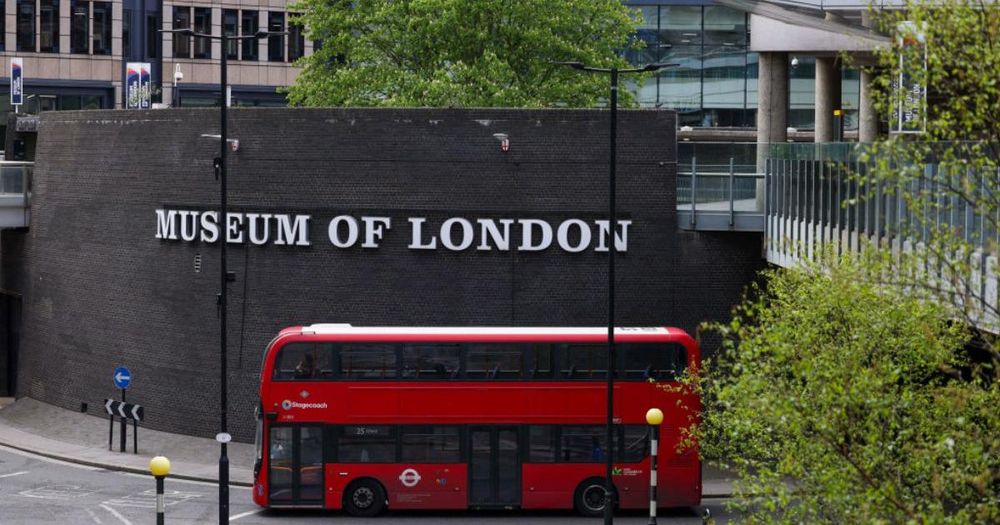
[15, 193]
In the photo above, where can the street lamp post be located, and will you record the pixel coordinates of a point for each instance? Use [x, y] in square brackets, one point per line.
[223, 436]
[609, 503]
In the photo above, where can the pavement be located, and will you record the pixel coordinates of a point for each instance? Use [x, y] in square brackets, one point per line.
[46, 430]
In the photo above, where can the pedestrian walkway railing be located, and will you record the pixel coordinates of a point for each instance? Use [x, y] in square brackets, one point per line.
[720, 198]
[15, 193]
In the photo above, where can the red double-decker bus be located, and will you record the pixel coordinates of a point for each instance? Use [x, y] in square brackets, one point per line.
[362, 419]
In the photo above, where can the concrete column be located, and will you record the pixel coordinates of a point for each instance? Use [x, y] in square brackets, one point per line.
[772, 109]
[827, 96]
[867, 119]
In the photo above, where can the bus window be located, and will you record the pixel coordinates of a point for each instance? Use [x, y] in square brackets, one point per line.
[636, 443]
[541, 362]
[430, 444]
[494, 361]
[585, 362]
[299, 361]
[367, 361]
[431, 361]
[542, 443]
[366, 444]
[654, 361]
[583, 444]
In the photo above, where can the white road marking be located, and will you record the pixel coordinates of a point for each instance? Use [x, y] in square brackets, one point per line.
[115, 514]
[147, 499]
[243, 515]
[92, 515]
[12, 474]
[56, 492]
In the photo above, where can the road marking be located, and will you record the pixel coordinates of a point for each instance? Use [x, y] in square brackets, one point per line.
[245, 514]
[147, 499]
[92, 515]
[12, 474]
[115, 514]
[56, 492]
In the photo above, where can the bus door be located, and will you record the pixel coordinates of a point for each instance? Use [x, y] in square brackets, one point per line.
[494, 466]
[295, 465]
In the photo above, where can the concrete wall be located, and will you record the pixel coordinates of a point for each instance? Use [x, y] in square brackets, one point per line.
[99, 290]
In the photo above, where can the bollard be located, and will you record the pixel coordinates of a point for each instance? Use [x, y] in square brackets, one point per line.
[159, 467]
[654, 417]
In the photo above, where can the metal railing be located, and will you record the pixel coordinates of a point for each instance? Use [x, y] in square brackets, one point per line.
[15, 193]
[720, 197]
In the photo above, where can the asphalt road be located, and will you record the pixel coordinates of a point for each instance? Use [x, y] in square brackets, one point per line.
[36, 490]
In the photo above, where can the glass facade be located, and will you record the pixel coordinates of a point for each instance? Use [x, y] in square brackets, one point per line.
[715, 81]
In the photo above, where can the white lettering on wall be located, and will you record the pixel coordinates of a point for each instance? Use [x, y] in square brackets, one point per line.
[345, 231]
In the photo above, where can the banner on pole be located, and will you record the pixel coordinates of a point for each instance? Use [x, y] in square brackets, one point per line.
[16, 82]
[137, 85]
[910, 99]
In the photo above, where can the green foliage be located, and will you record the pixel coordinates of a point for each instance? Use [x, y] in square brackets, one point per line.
[837, 399]
[460, 53]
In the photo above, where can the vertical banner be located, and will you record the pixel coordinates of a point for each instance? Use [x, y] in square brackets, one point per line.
[16, 82]
[144, 85]
[138, 86]
[132, 85]
[910, 97]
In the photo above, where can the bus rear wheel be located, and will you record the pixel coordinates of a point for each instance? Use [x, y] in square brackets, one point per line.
[590, 498]
[364, 498]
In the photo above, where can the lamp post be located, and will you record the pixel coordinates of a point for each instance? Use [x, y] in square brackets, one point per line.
[223, 436]
[609, 503]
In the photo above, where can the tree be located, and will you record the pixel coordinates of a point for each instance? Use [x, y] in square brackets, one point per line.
[460, 53]
[837, 399]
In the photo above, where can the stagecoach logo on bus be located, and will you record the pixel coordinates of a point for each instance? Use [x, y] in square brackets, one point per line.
[346, 231]
[288, 405]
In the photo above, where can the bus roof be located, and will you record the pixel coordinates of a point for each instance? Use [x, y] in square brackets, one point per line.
[346, 329]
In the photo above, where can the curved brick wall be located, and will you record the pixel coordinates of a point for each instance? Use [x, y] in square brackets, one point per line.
[100, 290]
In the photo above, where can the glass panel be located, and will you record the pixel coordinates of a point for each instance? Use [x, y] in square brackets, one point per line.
[280, 464]
[541, 362]
[275, 44]
[802, 92]
[752, 60]
[3, 34]
[367, 361]
[725, 26]
[90, 102]
[542, 444]
[680, 87]
[367, 444]
[250, 24]
[494, 361]
[724, 78]
[508, 467]
[657, 361]
[153, 38]
[49, 26]
[102, 28]
[203, 25]
[310, 463]
[431, 361]
[480, 487]
[79, 31]
[583, 444]
[647, 33]
[680, 25]
[427, 444]
[182, 43]
[585, 362]
[69, 102]
[230, 20]
[26, 25]
[636, 443]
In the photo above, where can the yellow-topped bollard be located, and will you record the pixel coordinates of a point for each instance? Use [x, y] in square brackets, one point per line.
[159, 467]
[654, 416]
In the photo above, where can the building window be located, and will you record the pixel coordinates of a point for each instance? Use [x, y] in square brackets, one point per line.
[153, 39]
[250, 23]
[182, 43]
[26, 25]
[102, 28]
[230, 20]
[126, 34]
[49, 26]
[275, 44]
[296, 41]
[3, 16]
[203, 25]
[79, 28]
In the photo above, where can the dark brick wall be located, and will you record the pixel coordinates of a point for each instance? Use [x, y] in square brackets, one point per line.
[99, 290]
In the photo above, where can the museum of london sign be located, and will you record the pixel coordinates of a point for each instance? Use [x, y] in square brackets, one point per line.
[347, 231]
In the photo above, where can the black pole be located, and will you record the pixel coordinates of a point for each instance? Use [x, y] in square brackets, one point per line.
[223, 275]
[159, 500]
[653, 450]
[609, 488]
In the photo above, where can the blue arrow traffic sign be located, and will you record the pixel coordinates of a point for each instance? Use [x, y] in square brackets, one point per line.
[122, 378]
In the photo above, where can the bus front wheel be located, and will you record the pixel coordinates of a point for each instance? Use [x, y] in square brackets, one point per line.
[589, 498]
[364, 498]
